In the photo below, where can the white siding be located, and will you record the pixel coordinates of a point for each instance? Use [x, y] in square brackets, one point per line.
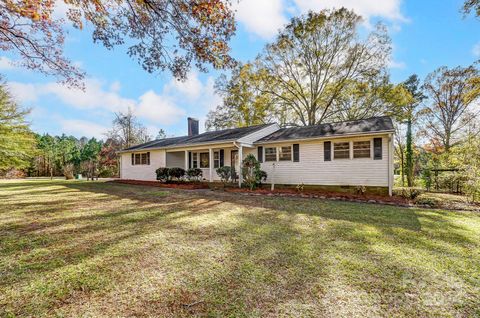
[312, 169]
[142, 172]
[251, 138]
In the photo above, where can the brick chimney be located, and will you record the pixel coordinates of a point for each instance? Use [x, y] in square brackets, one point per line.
[192, 126]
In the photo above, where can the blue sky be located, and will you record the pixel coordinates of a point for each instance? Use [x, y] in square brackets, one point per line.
[425, 35]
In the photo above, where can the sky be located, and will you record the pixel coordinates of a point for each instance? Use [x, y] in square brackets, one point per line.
[425, 34]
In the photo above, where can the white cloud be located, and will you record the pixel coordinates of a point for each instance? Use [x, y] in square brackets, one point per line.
[388, 9]
[159, 109]
[23, 92]
[265, 17]
[396, 64]
[261, 17]
[6, 63]
[82, 128]
[191, 88]
[476, 50]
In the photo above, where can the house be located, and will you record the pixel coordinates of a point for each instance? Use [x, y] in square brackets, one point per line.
[342, 155]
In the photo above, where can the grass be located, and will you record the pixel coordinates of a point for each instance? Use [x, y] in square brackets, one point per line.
[101, 249]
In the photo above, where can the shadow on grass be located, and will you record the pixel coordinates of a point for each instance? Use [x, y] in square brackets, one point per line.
[291, 257]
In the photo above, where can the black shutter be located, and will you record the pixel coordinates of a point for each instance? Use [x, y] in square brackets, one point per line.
[133, 159]
[327, 151]
[260, 154]
[377, 148]
[222, 157]
[148, 158]
[296, 152]
[189, 160]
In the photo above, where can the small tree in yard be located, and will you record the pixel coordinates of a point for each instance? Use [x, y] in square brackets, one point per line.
[252, 175]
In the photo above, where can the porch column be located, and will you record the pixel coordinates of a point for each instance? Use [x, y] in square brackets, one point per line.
[210, 164]
[240, 159]
[186, 160]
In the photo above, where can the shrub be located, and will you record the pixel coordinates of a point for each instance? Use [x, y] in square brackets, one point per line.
[361, 190]
[163, 174]
[408, 193]
[176, 173]
[194, 174]
[262, 176]
[426, 200]
[251, 171]
[226, 173]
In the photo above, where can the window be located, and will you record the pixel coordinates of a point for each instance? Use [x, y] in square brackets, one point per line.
[216, 159]
[271, 154]
[377, 148]
[361, 149]
[285, 153]
[327, 151]
[194, 160]
[141, 158]
[296, 152]
[341, 150]
[204, 161]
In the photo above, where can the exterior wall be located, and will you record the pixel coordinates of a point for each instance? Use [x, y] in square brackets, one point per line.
[142, 172]
[313, 170]
[251, 138]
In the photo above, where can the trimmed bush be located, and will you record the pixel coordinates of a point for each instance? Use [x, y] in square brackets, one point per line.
[176, 173]
[226, 173]
[262, 176]
[408, 193]
[163, 174]
[194, 174]
[252, 175]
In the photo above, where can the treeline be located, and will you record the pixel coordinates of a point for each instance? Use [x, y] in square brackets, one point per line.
[68, 156]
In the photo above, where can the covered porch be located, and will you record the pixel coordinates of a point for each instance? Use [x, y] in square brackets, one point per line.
[209, 158]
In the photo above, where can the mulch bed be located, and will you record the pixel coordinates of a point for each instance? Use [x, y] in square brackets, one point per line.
[171, 185]
[393, 200]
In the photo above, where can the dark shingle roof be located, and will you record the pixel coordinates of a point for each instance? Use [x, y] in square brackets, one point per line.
[374, 124]
[206, 137]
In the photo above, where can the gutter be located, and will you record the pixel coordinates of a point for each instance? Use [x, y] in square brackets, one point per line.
[382, 132]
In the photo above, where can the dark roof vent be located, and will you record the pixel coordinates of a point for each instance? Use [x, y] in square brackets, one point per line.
[192, 126]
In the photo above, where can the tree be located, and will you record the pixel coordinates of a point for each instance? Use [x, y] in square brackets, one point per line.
[90, 157]
[359, 100]
[17, 142]
[244, 103]
[127, 130]
[315, 58]
[471, 5]
[412, 85]
[161, 134]
[452, 94]
[162, 34]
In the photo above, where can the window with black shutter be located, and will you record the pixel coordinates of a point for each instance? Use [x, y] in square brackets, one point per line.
[377, 148]
[222, 157]
[148, 158]
[189, 160]
[296, 152]
[327, 151]
[133, 159]
[260, 154]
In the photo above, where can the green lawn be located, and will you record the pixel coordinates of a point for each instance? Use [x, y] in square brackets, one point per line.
[102, 250]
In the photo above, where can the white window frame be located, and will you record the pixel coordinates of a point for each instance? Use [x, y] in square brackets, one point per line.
[265, 154]
[369, 152]
[279, 150]
[200, 160]
[216, 162]
[349, 149]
